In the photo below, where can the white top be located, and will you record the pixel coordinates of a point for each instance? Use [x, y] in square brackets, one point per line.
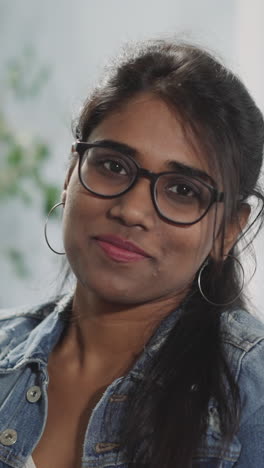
[30, 463]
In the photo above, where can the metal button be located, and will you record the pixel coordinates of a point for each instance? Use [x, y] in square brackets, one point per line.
[8, 437]
[33, 394]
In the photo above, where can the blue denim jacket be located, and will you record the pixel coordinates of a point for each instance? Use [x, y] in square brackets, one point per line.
[28, 335]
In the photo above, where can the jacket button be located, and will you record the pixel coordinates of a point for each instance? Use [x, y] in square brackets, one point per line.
[8, 437]
[33, 394]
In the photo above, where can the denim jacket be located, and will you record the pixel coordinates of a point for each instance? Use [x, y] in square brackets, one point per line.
[28, 335]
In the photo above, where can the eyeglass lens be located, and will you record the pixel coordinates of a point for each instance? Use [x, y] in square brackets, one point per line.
[178, 197]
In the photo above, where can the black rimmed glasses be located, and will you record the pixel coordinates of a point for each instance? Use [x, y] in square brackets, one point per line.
[178, 196]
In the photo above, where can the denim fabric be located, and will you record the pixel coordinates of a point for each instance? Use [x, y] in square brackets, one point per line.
[28, 335]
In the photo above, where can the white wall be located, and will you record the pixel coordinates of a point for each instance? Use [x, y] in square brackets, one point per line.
[76, 38]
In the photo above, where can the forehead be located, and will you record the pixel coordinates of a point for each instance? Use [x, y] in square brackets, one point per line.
[147, 124]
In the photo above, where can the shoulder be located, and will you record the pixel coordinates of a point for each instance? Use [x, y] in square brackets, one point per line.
[37, 312]
[240, 329]
[25, 318]
[242, 336]
[17, 323]
[243, 341]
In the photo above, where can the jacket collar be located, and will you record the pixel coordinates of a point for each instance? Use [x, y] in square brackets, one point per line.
[39, 341]
[42, 338]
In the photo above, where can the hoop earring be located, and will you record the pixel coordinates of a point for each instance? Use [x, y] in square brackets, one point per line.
[45, 229]
[226, 303]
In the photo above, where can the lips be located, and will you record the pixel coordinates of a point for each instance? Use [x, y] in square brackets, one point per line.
[120, 249]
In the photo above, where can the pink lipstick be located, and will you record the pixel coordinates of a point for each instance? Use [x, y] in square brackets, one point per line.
[120, 249]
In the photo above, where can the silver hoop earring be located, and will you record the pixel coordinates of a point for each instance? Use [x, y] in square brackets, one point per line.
[46, 226]
[227, 303]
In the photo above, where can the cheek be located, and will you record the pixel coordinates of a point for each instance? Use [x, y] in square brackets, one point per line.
[81, 209]
[187, 247]
[75, 218]
[84, 216]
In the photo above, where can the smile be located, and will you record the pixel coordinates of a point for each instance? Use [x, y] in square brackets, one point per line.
[119, 249]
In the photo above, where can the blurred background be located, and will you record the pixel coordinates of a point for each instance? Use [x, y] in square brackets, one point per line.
[51, 55]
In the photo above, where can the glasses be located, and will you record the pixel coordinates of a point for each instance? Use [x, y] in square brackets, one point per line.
[178, 197]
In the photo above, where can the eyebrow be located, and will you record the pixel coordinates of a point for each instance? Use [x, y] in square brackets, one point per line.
[172, 165]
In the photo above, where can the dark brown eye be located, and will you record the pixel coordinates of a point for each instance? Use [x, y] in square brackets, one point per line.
[183, 190]
[114, 166]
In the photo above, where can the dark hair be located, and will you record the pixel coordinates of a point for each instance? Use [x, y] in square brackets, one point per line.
[218, 111]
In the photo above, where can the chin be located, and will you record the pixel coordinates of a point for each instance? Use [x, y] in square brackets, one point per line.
[113, 291]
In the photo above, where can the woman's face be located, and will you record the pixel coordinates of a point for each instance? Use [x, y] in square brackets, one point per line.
[173, 254]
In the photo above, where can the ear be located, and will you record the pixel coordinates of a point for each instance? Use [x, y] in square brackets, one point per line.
[232, 232]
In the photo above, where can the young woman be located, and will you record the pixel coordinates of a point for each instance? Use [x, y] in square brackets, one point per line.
[154, 359]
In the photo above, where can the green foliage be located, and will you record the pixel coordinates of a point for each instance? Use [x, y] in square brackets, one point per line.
[21, 166]
[23, 156]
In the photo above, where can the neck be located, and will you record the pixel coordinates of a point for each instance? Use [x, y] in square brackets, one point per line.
[110, 335]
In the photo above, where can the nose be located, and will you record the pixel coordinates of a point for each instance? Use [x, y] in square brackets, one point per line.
[135, 207]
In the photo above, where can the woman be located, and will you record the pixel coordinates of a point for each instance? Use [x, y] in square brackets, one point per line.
[154, 360]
